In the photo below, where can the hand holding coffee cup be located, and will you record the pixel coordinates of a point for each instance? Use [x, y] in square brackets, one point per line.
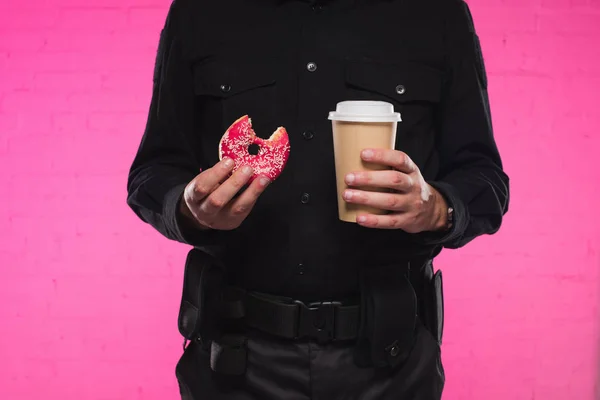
[409, 202]
[378, 186]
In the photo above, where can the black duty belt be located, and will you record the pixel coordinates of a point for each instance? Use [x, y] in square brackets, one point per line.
[321, 321]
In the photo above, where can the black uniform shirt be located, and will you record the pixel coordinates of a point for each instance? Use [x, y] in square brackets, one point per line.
[288, 63]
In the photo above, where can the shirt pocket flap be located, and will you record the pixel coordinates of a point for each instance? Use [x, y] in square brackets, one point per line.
[401, 82]
[226, 79]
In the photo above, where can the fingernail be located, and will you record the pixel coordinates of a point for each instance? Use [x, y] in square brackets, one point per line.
[367, 154]
[362, 218]
[348, 194]
[350, 178]
[228, 162]
[264, 181]
[247, 170]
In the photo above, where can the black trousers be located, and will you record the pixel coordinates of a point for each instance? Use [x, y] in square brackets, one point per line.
[279, 369]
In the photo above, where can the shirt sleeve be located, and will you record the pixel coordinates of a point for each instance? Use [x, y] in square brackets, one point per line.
[166, 161]
[471, 176]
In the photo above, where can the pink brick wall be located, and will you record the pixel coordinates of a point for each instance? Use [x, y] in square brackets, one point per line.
[89, 295]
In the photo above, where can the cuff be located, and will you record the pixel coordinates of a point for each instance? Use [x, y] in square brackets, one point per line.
[461, 218]
[178, 228]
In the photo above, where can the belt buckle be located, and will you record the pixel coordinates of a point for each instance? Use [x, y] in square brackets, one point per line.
[316, 320]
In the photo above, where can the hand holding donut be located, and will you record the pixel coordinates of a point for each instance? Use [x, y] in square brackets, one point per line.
[208, 200]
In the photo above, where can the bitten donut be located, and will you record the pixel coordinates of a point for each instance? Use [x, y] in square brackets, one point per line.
[272, 155]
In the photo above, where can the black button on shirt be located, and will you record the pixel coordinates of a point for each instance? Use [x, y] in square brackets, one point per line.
[421, 56]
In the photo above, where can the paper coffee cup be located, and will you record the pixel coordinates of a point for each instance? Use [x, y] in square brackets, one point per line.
[358, 125]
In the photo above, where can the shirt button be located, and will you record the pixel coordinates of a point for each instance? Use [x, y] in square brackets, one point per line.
[311, 67]
[308, 135]
[400, 89]
[305, 198]
[225, 88]
[300, 269]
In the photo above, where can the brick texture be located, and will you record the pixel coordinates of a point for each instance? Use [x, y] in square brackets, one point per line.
[89, 295]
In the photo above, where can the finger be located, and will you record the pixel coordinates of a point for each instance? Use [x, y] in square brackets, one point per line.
[244, 203]
[218, 199]
[390, 221]
[392, 158]
[207, 181]
[382, 201]
[391, 179]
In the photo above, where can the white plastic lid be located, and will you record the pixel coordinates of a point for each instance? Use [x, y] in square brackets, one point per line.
[365, 111]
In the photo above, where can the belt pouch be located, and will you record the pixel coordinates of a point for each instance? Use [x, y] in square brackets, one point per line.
[388, 317]
[201, 297]
[437, 306]
[432, 306]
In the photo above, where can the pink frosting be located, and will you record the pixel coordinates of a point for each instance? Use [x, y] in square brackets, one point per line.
[272, 155]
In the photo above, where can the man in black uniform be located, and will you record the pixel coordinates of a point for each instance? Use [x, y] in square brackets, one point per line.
[281, 299]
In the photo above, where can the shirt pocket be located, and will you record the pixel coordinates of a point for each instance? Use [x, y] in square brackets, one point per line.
[226, 90]
[414, 89]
